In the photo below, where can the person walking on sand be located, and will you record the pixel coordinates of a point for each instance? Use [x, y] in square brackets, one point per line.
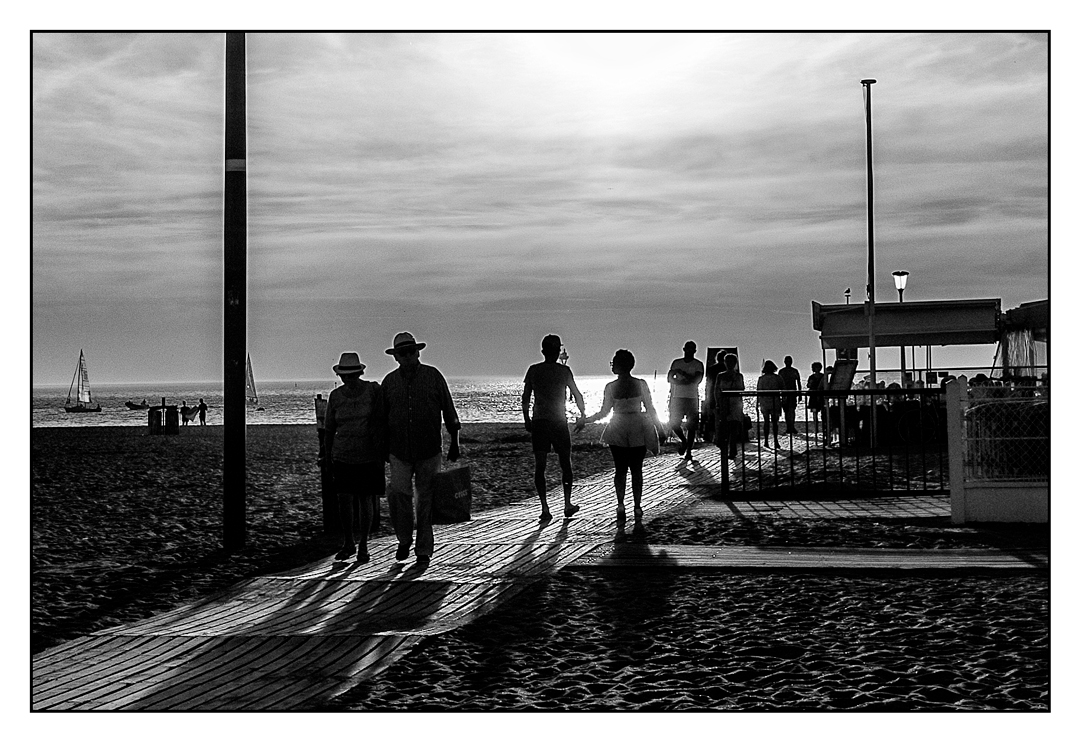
[728, 407]
[202, 412]
[546, 384]
[769, 402]
[415, 397]
[631, 432]
[354, 443]
[685, 377]
[184, 412]
[789, 375]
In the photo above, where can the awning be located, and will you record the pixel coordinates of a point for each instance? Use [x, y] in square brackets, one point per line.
[958, 322]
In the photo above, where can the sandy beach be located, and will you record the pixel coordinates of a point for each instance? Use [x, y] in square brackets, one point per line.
[126, 525]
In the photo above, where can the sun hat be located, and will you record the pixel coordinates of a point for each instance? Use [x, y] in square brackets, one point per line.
[349, 364]
[404, 341]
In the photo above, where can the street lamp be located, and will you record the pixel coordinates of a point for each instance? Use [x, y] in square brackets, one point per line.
[900, 279]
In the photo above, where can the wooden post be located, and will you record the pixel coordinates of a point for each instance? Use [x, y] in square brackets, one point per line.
[955, 401]
[235, 285]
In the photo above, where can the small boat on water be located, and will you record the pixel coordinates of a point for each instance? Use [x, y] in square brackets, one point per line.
[141, 406]
[249, 382]
[80, 384]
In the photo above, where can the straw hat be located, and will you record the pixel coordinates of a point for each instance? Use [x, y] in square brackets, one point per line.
[349, 364]
[404, 341]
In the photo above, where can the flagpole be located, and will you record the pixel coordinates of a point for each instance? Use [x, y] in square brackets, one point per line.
[870, 261]
[235, 285]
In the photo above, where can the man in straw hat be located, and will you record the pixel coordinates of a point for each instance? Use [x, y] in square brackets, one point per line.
[416, 396]
[354, 443]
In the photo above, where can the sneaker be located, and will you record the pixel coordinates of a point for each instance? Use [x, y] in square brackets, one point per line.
[570, 510]
[423, 561]
[402, 552]
[545, 516]
[363, 558]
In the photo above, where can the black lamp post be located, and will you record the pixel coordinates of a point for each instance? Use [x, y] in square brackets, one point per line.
[847, 295]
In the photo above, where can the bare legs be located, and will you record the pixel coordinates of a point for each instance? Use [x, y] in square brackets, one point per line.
[540, 480]
[628, 460]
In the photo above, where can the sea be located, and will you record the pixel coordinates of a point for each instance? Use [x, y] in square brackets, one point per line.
[487, 399]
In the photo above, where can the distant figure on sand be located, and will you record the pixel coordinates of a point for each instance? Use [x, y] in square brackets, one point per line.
[685, 376]
[547, 383]
[184, 412]
[815, 385]
[416, 395]
[728, 407]
[354, 442]
[789, 375]
[202, 412]
[768, 403]
[631, 432]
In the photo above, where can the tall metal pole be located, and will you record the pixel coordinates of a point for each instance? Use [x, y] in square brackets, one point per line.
[903, 368]
[870, 260]
[235, 332]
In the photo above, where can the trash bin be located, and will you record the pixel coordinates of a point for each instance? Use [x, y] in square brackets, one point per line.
[163, 420]
[172, 420]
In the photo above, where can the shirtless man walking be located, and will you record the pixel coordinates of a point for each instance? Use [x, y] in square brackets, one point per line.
[545, 385]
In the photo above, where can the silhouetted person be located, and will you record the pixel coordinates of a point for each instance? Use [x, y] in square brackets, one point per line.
[546, 383]
[184, 412]
[728, 407]
[631, 432]
[202, 412]
[416, 396]
[354, 442]
[815, 385]
[789, 375]
[685, 376]
[769, 386]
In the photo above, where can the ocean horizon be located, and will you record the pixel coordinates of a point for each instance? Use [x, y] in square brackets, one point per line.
[479, 399]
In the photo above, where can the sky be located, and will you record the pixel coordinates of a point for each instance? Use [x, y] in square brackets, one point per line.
[482, 190]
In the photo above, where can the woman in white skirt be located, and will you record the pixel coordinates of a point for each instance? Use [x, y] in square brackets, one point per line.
[631, 432]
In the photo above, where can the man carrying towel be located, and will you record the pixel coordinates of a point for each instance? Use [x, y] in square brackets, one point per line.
[415, 397]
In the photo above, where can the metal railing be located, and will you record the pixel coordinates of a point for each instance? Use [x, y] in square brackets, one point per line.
[1006, 433]
[830, 446]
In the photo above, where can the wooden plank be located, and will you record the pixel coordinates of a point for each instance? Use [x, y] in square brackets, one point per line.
[83, 689]
[720, 557]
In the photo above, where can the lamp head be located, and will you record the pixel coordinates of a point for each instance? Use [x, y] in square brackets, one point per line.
[900, 279]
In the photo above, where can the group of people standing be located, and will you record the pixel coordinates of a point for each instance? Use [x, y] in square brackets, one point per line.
[398, 421]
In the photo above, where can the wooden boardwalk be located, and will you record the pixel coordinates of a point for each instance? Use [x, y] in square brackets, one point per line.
[290, 640]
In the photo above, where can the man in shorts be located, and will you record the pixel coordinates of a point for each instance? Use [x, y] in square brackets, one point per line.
[685, 376]
[545, 385]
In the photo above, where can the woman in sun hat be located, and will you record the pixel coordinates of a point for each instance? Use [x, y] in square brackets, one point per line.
[355, 443]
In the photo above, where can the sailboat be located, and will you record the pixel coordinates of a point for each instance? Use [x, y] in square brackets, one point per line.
[80, 382]
[249, 378]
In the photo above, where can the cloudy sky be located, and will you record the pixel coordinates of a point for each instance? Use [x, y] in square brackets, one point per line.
[482, 190]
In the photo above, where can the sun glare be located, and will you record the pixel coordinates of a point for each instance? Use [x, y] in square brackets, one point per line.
[616, 64]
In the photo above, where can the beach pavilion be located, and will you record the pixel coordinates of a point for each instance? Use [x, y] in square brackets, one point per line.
[1023, 333]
